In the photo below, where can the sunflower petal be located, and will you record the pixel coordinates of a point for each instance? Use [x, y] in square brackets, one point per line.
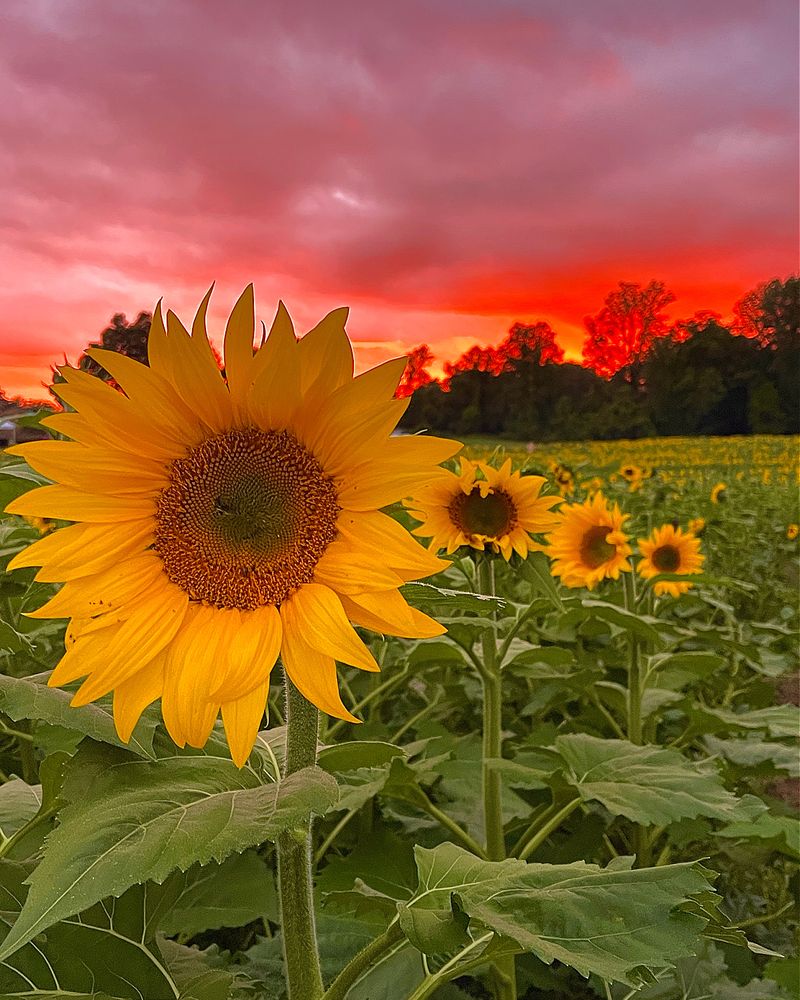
[250, 651]
[238, 349]
[132, 697]
[242, 719]
[313, 674]
[317, 612]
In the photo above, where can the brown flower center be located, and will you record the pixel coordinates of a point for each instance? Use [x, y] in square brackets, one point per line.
[493, 515]
[595, 550]
[666, 559]
[245, 519]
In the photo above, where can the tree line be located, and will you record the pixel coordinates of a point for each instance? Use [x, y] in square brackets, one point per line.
[640, 376]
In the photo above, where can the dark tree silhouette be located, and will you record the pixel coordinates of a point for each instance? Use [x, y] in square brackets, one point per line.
[416, 374]
[620, 336]
[124, 338]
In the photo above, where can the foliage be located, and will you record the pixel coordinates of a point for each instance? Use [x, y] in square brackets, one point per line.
[641, 375]
[661, 863]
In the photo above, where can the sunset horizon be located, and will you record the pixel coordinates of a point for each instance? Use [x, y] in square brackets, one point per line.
[444, 172]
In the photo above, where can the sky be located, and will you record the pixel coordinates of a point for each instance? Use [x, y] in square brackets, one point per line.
[443, 167]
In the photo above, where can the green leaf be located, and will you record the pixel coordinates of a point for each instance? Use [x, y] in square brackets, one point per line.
[646, 784]
[433, 931]
[196, 973]
[357, 754]
[157, 816]
[19, 803]
[12, 641]
[613, 922]
[784, 830]
[777, 720]
[536, 570]
[459, 600]
[230, 894]
[31, 698]
[106, 951]
[753, 752]
[641, 625]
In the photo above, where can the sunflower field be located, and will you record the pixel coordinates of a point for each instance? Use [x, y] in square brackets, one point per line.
[292, 708]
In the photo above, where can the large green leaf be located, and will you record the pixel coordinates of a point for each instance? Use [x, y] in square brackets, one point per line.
[459, 600]
[617, 923]
[130, 821]
[19, 803]
[230, 894]
[644, 626]
[31, 698]
[647, 784]
[783, 830]
[777, 720]
[108, 950]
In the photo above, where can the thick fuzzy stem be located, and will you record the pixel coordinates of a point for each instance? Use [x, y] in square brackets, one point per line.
[301, 956]
[504, 978]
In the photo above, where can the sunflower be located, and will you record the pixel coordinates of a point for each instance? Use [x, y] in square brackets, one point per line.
[589, 545]
[224, 521]
[697, 526]
[670, 550]
[718, 492]
[484, 508]
[630, 473]
[792, 531]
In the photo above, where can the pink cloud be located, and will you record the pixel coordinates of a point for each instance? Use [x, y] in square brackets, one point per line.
[443, 167]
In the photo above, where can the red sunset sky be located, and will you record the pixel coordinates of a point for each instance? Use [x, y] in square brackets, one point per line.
[444, 167]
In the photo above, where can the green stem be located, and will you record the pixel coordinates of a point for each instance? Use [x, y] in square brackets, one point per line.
[635, 692]
[363, 962]
[375, 693]
[492, 729]
[541, 835]
[299, 934]
[450, 824]
[503, 969]
[634, 667]
[450, 970]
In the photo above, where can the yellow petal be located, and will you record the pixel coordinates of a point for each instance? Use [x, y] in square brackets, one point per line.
[186, 707]
[111, 590]
[114, 416]
[104, 469]
[315, 612]
[242, 719]
[133, 696]
[149, 629]
[158, 353]
[154, 394]
[99, 547]
[347, 570]
[67, 504]
[388, 614]
[238, 349]
[326, 356]
[195, 371]
[248, 653]
[274, 395]
[313, 674]
[74, 545]
[380, 534]
[73, 425]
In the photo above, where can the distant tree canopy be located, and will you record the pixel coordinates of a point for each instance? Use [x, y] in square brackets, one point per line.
[124, 338]
[694, 376]
[620, 336]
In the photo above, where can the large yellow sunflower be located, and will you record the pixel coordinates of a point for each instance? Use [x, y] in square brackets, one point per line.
[223, 521]
[589, 545]
[484, 508]
[670, 550]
